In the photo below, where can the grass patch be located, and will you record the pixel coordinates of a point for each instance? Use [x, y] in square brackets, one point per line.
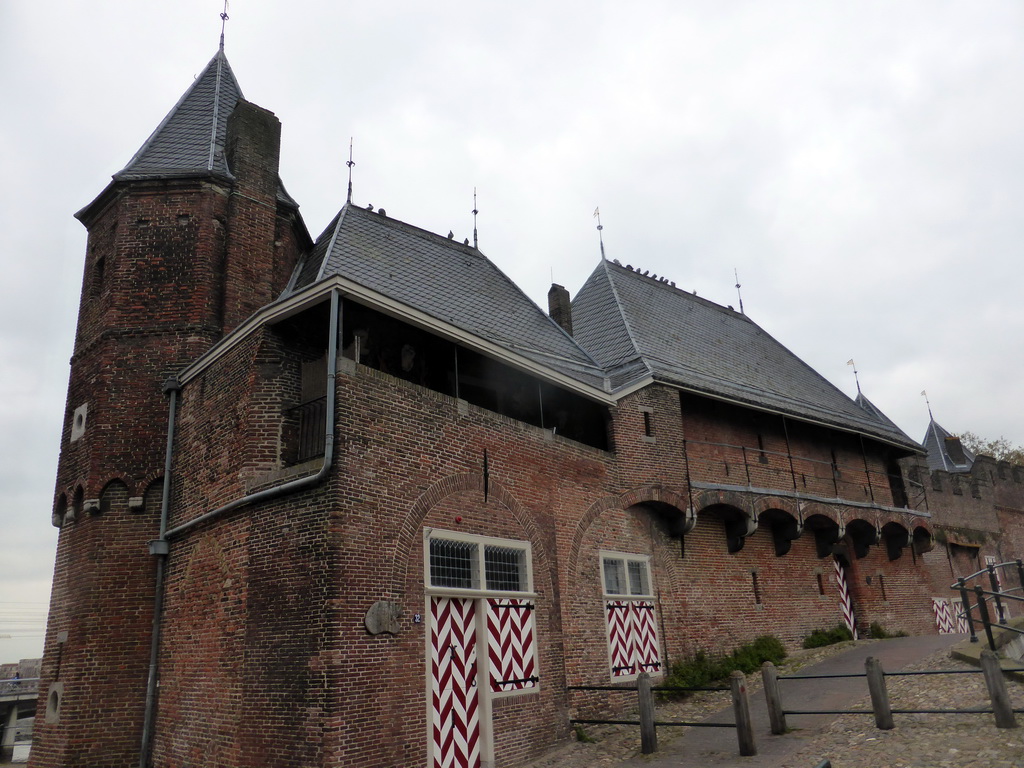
[704, 669]
[822, 637]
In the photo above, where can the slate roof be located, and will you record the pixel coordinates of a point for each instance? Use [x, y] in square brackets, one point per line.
[445, 279]
[939, 457]
[190, 140]
[634, 325]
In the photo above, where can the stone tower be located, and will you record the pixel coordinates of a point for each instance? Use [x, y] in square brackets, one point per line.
[190, 238]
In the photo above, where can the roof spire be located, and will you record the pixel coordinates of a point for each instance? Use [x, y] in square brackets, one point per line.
[350, 163]
[223, 23]
[740, 296]
[475, 212]
[855, 376]
[597, 215]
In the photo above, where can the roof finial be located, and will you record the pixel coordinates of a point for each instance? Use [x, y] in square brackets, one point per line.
[855, 376]
[597, 215]
[924, 394]
[350, 163]
[223, 23]
[475, 212]
[738, 294]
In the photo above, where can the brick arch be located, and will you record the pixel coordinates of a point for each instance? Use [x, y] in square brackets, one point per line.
[113, 488]
[408, 532]
[95, 488]
[765, 503]
[637, 497]
[711, 498]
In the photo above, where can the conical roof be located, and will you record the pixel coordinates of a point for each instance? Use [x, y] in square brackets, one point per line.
[945, 451]
[190, 140]
[637, 326]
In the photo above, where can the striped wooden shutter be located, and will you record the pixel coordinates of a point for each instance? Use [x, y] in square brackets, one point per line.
[511, 644]
[645, 629]
[632, 637]
[455, 709]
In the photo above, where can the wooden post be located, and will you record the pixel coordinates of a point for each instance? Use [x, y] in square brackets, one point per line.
[879, 694]
[648, 733]
[741, 706]
[773, 696]
[1001, 705]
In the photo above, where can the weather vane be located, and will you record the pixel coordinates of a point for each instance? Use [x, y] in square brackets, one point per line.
[855, 376]
[924, 394]
[350, 163]
[597, 215]
[223, 23]
[738, 294]
[475, 212]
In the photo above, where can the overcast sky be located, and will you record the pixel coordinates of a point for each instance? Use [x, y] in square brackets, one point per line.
[859, 164]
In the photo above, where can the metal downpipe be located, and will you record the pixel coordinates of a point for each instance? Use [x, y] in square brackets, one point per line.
[172, 387]
[161, 546]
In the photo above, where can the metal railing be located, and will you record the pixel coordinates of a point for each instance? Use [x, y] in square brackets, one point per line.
[310, 430]
[996, 595]
[18, 686]
[724, 463]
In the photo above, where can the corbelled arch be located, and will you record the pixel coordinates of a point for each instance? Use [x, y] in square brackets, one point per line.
[922, 538]
[734, 509]
[781, 518]
[863, 534]
[896, 538]
[827, 525]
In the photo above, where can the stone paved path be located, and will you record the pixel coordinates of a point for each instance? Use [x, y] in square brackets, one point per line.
[849, 741]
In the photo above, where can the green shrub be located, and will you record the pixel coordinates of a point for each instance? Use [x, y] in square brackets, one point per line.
[583, 737]
[878, 631]
[702, 669]
[822, 637]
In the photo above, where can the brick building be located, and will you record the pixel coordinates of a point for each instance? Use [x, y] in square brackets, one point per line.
[358, 501]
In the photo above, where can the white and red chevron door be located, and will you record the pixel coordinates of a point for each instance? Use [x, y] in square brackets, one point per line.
[455, 708]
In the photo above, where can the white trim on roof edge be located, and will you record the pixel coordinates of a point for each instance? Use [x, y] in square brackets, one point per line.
[314, 294]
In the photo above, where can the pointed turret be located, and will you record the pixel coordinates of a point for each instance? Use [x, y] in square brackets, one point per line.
[192, 236]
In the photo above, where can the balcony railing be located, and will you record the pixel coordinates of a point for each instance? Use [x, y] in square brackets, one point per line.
[310, 430]
[738, 465]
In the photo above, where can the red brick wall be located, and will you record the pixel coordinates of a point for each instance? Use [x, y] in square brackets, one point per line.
[294, 672]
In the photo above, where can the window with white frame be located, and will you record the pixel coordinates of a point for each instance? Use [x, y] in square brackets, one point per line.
[629, 614]
[496, 576]
[462, 561]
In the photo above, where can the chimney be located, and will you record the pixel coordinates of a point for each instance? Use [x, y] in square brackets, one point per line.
[559, 307]
[253, 150]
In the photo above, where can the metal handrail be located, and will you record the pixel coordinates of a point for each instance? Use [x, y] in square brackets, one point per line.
[996, 593]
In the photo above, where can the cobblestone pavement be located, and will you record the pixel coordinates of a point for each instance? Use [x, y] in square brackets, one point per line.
[849, 741]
